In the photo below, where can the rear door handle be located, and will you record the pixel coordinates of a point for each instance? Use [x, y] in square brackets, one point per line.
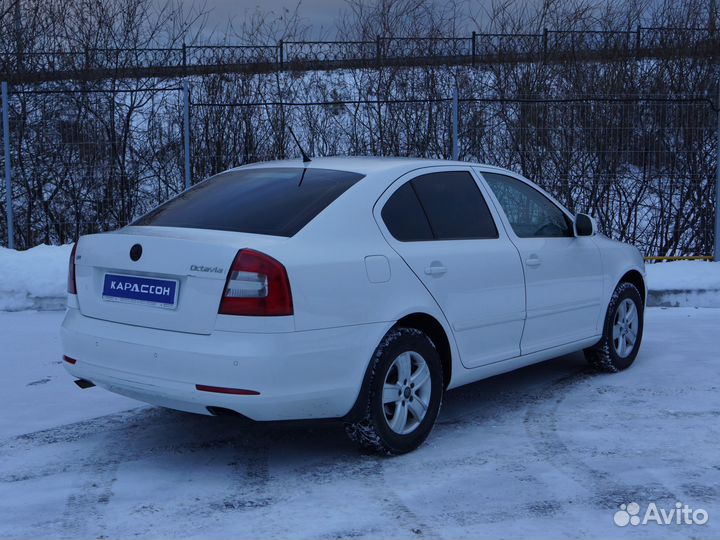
[533, 260]
[435, 269]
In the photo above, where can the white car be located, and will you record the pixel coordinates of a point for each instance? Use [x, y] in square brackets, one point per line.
[353, 288]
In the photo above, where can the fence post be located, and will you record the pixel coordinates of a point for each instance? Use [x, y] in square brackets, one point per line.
[474, 38]
[716, 254]
[378, 61]
[380, 123]
[8, 171]
[281, 52]
[455, 146]
[545, 43]
[184, 58]
[186, 131]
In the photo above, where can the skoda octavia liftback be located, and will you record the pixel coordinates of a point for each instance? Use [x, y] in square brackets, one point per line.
[352, 288]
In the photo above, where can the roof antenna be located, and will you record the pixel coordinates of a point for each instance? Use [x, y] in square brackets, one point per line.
[306, 158]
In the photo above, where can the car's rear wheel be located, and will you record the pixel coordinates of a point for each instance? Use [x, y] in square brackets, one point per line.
[402, 396]
[622, 331]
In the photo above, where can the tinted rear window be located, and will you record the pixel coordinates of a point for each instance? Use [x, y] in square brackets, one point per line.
[405, 218]
[454, 206]
[273, 201]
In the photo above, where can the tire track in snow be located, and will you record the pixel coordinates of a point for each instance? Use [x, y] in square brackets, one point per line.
[541, 425]
[409, 521]
[75, 431]
[116, 427]
[91, 452]
[119, 427]
[250, 475]
[84, 509]
[360, 482]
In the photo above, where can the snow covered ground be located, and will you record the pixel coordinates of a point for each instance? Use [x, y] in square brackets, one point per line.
[548, 451]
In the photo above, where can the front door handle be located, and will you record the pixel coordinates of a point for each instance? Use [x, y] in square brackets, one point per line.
[435, 269]
[533, 260]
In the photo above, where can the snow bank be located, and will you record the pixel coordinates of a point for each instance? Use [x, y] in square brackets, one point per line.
[688, 275]
[34, 279]
[37, 279]
[684, 284]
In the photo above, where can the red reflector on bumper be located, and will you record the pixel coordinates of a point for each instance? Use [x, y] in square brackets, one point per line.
[69, 360]
[221, 390]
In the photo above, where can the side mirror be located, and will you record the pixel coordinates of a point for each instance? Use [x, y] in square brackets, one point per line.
[584, 225]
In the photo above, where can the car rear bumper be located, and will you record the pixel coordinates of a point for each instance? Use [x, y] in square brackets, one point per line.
[312, 374]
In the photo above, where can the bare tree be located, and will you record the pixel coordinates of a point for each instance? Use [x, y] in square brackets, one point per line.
[630, 140]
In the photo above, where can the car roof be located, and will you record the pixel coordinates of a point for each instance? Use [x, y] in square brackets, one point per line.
[368, 164]
[394, 166]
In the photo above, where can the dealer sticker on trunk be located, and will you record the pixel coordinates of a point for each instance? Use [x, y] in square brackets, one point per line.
[140, 290]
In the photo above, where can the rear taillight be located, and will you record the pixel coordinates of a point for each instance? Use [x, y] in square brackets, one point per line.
[72, 287]
[257, 285]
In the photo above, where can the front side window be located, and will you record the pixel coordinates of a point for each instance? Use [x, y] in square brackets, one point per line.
[439, 206]
[274, 201]
[531, 214]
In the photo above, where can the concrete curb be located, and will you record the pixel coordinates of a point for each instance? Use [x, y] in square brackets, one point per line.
[684, 298]
[25, 302]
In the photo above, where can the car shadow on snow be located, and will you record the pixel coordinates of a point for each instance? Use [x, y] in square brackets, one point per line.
[155, 429]
[489, 399]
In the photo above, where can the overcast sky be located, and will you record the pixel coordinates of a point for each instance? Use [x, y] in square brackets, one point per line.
[321, 15]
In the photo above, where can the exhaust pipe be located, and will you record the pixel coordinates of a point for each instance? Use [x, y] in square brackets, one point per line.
[83, 383]
[222, 411]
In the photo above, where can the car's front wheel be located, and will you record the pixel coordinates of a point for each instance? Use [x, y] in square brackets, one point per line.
[622, 331]
[401, 399]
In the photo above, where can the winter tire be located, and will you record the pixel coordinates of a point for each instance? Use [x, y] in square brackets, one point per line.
[622, 331]
[401, 398]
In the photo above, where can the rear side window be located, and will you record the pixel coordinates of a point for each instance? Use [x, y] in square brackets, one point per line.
[405, 218]
[439, 206]
[454, 205]
[272, 201]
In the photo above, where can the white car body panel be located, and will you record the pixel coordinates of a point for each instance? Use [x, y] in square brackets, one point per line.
[351, 281]
[617, 260]
[298, 374]
[563, 284]
[169, 254]
[485, 336]
[564, 291]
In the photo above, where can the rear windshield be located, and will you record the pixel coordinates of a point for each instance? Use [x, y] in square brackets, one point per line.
[273, 201]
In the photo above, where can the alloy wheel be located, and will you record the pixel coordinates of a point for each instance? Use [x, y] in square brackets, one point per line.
[625, 328]
[406, 392]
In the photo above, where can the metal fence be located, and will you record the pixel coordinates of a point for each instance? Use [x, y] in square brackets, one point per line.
[87, 161]
[33, 66]
[645, 167]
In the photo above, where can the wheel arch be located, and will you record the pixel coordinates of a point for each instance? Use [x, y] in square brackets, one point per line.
[437, 333]
[432, 328]
[636, 278]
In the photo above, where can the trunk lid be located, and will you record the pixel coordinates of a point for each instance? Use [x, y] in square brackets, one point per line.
[196, 261]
